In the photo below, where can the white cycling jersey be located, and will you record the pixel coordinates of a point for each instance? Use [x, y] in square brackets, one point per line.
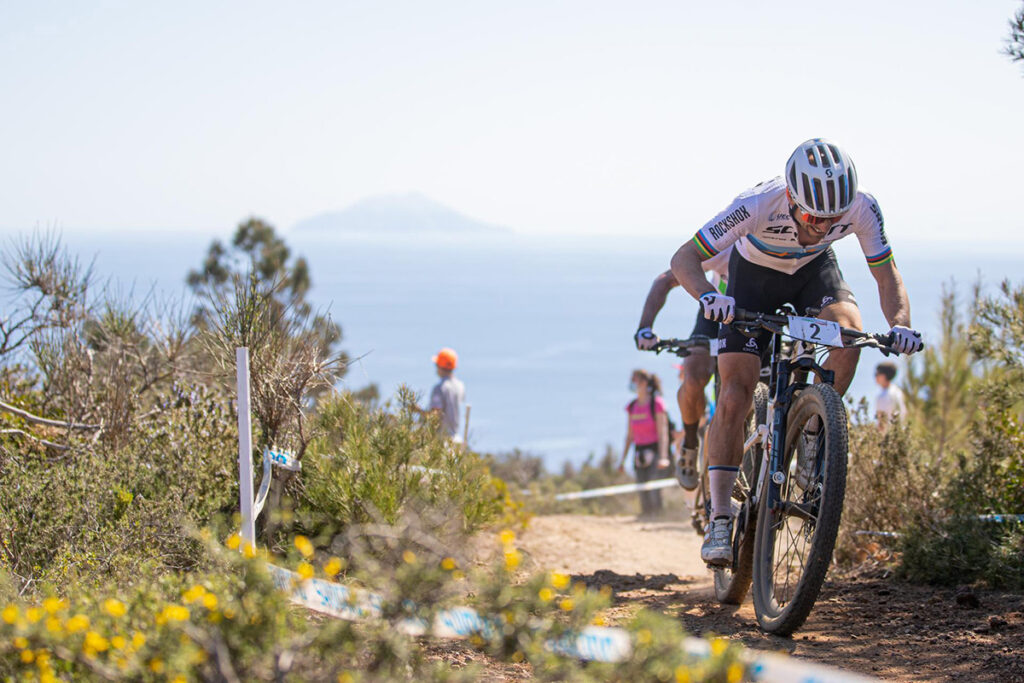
[758, 222]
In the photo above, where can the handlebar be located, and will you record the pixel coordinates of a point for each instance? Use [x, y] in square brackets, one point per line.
[682, 347]
[770, 322]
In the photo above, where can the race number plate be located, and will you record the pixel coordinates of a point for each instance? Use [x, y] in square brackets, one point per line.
[815, 331]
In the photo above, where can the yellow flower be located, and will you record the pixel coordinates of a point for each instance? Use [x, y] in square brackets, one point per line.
[305, 570]
[718, 646]
[643, 636]
[53, 625]
[304, 546]
[409, 557]
[33, 614]
[9, 614]
[21, 642]
[138, 640]
[193, 593]
[734, 674]
[345, 677]
[53, 605]
[42, 659]
[27, 656]
[156, 665]
[118, 642]
[598, 621]
[96, 642]
[249, 550]
[210, 601]
[560, 581]
[682, 674]
[566, 604]
[448, 564]
[334, 566]
[458, 575]
[546, 594]
[178, 679]
[507, 536]
[512, 559]
[175, 613]
[77, 623]
[234, 540]
[114, 607]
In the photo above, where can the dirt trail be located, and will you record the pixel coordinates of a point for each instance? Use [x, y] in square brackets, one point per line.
[878, 627]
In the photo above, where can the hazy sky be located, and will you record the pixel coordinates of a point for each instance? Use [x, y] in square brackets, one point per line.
[544, 116]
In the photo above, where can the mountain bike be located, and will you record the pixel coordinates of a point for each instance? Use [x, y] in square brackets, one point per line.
[789, 497]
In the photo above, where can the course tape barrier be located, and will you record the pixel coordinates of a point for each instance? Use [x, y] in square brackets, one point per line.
[593, 643]
[618, 489]
[998, 519]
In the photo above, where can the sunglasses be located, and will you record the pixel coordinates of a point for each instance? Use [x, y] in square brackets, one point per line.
[807, 218]
[817, 220]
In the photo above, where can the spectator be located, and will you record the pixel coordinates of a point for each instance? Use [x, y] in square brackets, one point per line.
[647, 430]
[448, 395]
[890, 405]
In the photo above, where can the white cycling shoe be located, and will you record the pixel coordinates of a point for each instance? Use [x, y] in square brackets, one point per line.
[717, 548]
[686, 468]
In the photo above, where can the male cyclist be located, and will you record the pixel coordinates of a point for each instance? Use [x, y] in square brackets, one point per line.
[697, 367]
[783, 230]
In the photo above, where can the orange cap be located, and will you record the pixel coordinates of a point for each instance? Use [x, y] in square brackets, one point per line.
[446, 359]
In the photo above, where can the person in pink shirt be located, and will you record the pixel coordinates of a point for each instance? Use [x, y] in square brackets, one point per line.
[647, 431]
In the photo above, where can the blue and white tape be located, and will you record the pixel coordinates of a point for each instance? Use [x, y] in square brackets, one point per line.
[593, 643]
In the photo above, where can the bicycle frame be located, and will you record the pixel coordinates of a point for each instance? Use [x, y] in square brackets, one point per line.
[785, 382]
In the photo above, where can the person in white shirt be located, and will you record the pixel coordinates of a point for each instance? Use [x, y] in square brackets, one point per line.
[890, 405]
[448, 395]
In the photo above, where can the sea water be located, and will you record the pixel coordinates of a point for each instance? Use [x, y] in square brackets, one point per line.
[543, 326]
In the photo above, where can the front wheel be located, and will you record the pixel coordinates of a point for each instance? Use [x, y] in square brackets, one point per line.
[798, 519]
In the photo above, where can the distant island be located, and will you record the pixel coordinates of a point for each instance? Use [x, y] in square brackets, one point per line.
[396, 214]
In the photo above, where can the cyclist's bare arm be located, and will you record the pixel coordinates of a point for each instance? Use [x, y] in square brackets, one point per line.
[660, 288]
[686, 266]
[892, 294]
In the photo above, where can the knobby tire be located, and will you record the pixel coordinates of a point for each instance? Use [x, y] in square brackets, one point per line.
[783, 611]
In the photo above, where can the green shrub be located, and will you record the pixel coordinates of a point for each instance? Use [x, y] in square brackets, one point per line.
[374, 465]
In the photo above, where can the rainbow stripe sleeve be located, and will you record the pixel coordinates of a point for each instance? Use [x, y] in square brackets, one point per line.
[881, 258]
[704, 245]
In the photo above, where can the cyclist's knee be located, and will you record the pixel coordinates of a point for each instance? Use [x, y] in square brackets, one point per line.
[697, 371]
[736, 397]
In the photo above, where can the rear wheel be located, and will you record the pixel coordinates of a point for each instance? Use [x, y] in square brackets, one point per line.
[732, 583]
[798, 520]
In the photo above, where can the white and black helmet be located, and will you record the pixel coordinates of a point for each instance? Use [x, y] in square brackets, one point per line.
[821, 178]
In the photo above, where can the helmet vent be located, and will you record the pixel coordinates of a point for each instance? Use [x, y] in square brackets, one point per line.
[830, 187]
[808, 195]
[819, 203]
[825, 160]
[842, 190]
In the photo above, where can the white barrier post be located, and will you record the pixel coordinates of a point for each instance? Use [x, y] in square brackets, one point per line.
[245, 491]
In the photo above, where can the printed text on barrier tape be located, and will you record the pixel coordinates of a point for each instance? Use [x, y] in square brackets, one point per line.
[594, 643]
